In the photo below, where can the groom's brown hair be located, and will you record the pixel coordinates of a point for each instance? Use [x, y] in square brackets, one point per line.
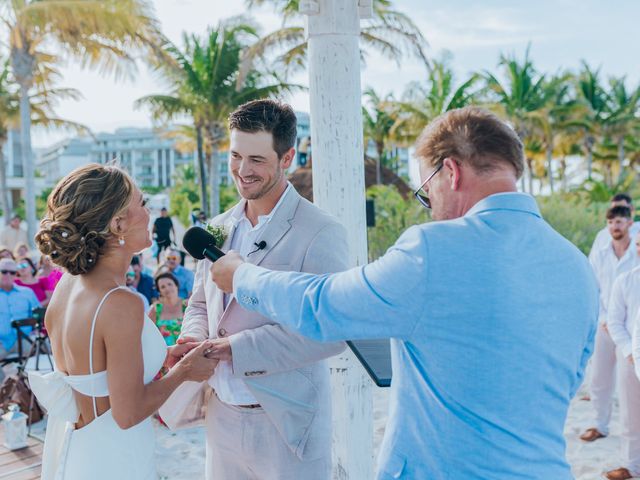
[272, 116]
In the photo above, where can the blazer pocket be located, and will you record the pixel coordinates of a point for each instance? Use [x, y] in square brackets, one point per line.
[393, 467]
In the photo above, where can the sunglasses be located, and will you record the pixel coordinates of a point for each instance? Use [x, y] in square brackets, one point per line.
[172, 257]
[8, 272]
[23, 265]
[419, 193]
[131, 274]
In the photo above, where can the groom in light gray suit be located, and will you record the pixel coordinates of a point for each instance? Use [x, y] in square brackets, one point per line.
[269, 416]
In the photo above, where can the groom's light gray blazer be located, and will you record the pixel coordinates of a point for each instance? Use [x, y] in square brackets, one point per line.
[287, 373]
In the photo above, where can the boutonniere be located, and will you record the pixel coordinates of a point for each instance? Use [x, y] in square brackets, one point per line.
[219, 232]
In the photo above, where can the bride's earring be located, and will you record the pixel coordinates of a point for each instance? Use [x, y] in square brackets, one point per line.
[121, 241]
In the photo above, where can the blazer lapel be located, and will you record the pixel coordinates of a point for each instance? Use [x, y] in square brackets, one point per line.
[230, 224]
[277, 226]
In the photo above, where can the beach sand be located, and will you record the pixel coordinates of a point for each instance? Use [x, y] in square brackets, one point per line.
[181, 454]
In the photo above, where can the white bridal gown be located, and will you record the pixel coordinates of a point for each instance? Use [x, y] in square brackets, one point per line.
[100, 450]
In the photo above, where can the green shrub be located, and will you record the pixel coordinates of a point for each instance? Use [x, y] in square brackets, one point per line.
[394, 215]
[575, 217]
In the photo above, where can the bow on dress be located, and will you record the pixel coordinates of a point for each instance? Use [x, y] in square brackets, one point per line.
[56, 396]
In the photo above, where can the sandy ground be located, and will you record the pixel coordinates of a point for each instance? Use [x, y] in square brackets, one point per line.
[181, 455]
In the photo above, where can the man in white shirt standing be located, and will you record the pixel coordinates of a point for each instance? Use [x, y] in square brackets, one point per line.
[617, 257]
[604, 237]
[624, 306]
[269, 416]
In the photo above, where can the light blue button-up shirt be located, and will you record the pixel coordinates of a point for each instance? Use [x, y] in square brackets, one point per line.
[492, 318]
[16, 304]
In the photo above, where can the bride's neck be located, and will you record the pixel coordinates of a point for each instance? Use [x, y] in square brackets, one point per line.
[112, 266]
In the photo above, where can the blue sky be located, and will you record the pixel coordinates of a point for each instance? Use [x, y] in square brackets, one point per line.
[561, 33]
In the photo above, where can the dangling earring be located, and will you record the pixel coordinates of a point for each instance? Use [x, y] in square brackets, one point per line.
[121, 241]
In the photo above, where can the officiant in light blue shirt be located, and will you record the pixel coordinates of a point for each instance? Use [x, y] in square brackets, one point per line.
[491, 313]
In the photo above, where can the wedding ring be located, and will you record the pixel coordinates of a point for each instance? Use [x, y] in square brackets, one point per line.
[208, 351]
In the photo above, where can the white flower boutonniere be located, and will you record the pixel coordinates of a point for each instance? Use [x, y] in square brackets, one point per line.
[219, 232]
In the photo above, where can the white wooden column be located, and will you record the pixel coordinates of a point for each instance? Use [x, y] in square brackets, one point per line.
[333, 31]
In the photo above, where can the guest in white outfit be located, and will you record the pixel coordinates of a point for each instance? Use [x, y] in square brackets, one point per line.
[604, 237]
[100, 396]
[624, 306]
[617, 257]
[269, 411]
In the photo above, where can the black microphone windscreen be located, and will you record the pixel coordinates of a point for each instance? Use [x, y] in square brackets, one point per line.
[196, 240]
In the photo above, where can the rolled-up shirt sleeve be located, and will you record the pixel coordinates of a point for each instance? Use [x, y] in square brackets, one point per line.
[380, 300]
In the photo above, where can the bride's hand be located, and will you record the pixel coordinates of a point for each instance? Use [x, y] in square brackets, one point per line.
[195, 366]
[176, 352]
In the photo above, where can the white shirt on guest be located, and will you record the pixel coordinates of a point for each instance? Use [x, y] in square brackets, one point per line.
[607, 267]
[624, 305]
[228, 388]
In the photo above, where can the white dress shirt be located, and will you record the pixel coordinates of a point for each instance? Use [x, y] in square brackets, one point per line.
[228, 388]
[603, 238]
[624, 305]
[607, 266]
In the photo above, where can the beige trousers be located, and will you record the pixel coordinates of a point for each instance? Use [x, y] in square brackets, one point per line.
[243, 444]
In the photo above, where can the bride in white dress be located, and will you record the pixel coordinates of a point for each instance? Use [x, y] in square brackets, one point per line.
[107, 352]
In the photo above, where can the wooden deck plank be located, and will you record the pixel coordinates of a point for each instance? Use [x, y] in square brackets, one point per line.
[23, 464]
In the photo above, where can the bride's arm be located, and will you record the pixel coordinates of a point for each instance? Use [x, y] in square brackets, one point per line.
[131, 400]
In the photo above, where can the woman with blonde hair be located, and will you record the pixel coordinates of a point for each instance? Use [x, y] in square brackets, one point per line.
[101, 395]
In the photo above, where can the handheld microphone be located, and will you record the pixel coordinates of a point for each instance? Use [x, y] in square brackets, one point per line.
[200, 244]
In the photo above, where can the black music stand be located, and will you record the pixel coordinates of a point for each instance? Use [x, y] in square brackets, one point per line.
[375, 357]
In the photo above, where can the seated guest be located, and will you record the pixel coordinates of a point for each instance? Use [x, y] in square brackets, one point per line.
[6, 253]
[168, 310]
[182, 274]
[21, 250]
[49, 271]
[130, 276]
[142, 281]
[27, 278]
[16, 303]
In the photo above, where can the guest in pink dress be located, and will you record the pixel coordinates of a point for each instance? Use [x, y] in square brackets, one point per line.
[49, 271]
[27, 278]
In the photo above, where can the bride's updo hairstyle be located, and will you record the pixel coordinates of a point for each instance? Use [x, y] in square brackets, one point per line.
[76, 227]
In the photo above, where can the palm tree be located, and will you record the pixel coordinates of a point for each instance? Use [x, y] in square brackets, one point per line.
[42, 114]
[209, 79]
[592, 99]
[553, 118]
[377, 125]
[621, 120]
[519, 98]
[103, 34]
[422, 102]
[389, 32]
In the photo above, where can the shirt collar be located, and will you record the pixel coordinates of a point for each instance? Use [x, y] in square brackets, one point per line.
[239, 213]
[514, 201]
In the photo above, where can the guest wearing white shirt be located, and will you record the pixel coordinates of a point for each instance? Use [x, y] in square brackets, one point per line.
[604, 237]
[617, 257]
[624, 306]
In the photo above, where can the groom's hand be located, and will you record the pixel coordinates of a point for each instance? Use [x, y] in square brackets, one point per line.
[219, 348]
[176, 352]
[223, 269]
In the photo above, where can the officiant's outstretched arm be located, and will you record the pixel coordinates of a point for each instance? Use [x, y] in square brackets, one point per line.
[491, 313]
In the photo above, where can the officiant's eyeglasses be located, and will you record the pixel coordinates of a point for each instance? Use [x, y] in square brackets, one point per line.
[8, 272]
[420, 193]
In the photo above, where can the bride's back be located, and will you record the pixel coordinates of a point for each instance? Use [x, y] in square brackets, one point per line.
[68, 320]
